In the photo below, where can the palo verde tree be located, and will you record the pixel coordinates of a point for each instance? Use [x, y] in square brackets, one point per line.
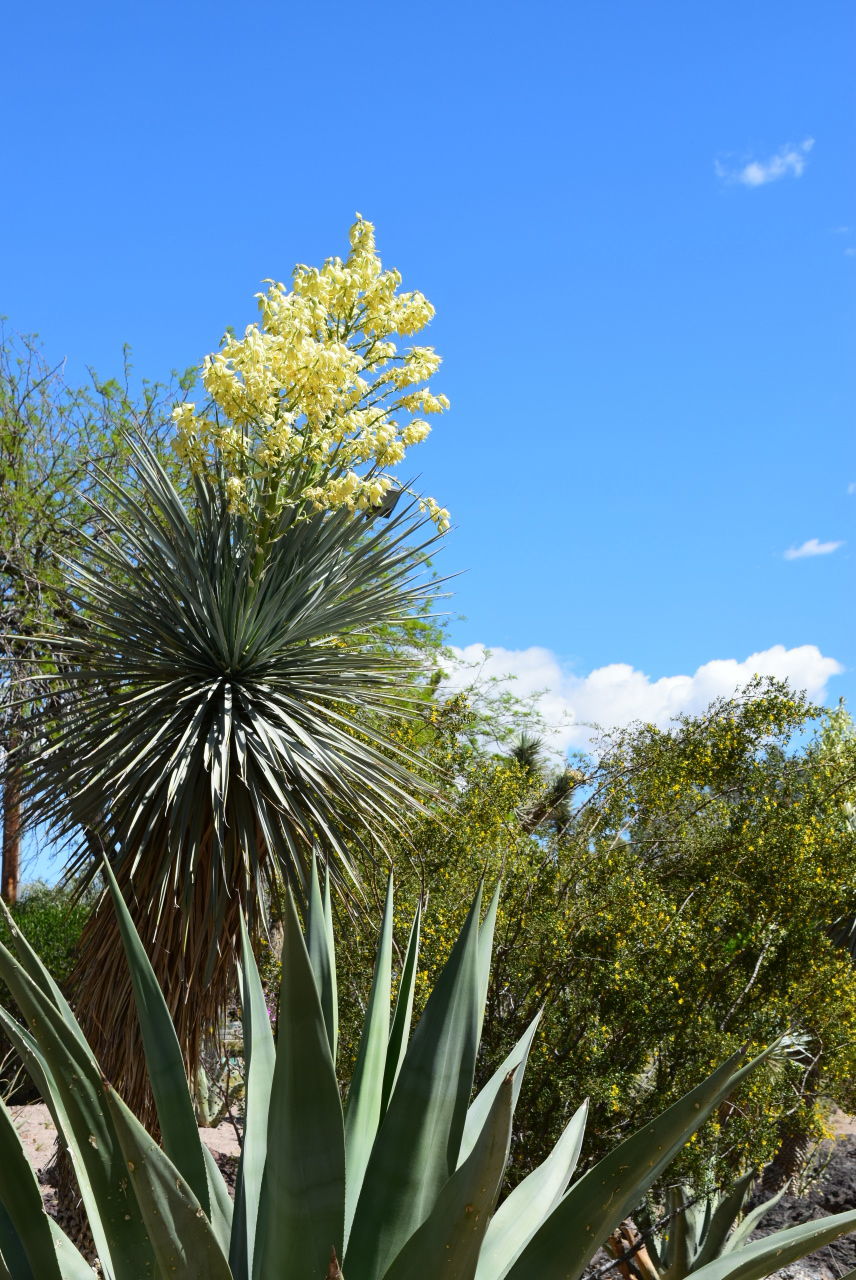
[221, 704]
[679, 895]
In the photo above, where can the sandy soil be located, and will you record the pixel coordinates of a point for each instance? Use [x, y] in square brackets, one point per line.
[37, 1134]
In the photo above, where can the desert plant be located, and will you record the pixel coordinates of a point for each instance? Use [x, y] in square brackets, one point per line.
[697, 1229]
[403, 1184]
[658, 954]
[212, 724]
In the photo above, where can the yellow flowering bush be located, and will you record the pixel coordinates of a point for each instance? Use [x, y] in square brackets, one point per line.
[685, 908]
[318, 403]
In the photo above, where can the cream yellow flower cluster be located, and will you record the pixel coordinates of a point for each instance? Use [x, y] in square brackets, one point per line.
[315, 403]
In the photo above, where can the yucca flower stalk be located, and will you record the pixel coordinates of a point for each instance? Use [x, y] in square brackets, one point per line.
[216, 716]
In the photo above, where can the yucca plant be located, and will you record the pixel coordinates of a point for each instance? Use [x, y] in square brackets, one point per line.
[216, 716]
[402, 1183]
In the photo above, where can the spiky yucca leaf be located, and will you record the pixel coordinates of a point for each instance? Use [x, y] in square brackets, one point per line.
[217, 717]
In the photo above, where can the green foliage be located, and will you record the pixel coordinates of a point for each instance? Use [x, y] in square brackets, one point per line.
[682, 909]
[50, 435]
[51, 918]
[425, 1163]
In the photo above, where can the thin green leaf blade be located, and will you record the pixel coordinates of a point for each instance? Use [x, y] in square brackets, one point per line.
[323, 957]
[402, 1016]
[486, 932]
[447, 1245]
[331, 946]
[302, 1205]
[65, 1064]
[722, 1220]
[365, 1095]
[22, 1201]
[595, 1205]
[72, 1263]
[522, 1212]
[176, 1116]
[259, 1062]
[222, 1208]
[417, 1146]
[745, 1228]
[482, 1103]
[179, 1230]
[757, 1260]
[681, 1238]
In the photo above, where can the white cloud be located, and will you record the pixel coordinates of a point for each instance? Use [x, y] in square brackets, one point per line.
[618, 694]
[851, 488]
[789, 161]
[812, 548]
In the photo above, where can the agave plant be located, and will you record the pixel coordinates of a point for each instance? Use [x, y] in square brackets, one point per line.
[401, 1184]
[213, 722]
[699, 1229]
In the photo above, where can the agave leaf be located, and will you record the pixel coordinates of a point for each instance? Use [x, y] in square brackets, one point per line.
[744, 1229]
[73, 1265]
[605, 1195]
[446, 1246]
[166, 1072]
[365, 1095]
[715, 1239]
[331, 946]
[522, 1212]
[681, 1241]
[180, 1233]
[758, 1259]
[654, 1243]
[302, 1205]
[482, 1103]
[403, 1013]
[259, 1060]
[323, 957]
[417, 1145]
[81, 1114]
[222, 1209]
[12, 1252]
[40, 1074]
[26, 1224]
[486, 933]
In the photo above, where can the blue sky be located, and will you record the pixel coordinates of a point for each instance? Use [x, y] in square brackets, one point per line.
[636, 222]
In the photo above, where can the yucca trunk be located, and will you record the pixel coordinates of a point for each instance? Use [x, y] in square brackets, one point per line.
[192, 937]
[101, 991]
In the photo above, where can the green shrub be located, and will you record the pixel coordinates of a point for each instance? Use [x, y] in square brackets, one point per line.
[680, 909]
[51, 918]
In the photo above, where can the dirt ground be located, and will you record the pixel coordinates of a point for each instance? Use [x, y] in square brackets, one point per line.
[37, 1133]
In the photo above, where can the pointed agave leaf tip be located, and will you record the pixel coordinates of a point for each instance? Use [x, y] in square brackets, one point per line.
[334, 1271]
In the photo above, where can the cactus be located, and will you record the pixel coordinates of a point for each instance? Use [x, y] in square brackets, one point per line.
[402, 1183]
